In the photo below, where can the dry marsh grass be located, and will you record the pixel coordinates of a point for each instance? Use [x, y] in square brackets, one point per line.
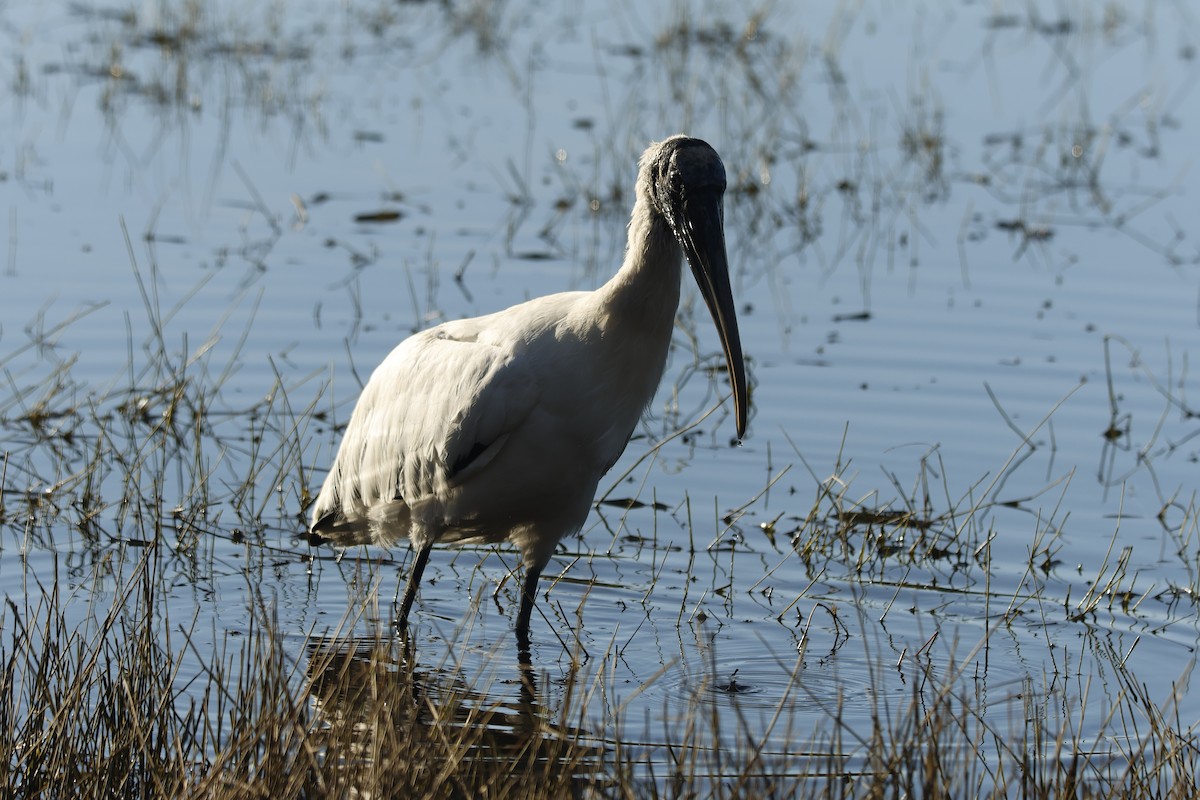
[101, 708]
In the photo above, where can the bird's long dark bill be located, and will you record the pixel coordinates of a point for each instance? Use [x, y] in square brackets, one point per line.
[701, 234]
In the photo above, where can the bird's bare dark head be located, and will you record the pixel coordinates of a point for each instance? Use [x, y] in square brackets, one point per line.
[678, 167]
[684, 180]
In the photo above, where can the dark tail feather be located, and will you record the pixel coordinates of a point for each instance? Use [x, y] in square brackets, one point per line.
[338, 531]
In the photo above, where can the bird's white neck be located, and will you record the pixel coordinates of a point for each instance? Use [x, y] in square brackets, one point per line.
[644, 293]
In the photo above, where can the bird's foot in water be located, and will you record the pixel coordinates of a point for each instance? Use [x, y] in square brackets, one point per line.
[523, 657]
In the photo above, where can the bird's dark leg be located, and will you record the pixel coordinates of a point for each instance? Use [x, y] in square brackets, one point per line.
[414, 582]
[528, 595]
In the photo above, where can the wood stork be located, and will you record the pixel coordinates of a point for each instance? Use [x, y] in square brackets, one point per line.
[500, 427]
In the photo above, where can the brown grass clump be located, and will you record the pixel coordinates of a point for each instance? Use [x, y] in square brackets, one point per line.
[124, 703]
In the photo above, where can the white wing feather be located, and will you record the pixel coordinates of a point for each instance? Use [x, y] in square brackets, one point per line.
[438, 409]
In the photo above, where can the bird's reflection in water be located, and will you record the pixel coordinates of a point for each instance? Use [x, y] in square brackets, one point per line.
[388, 724]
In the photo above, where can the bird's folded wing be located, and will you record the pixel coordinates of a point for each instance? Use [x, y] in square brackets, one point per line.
[494, 397]
[435, 411]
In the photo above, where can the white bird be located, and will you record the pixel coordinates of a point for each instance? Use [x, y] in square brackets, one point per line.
[500, 427]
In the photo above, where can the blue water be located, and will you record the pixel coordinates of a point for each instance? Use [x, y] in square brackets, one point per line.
[1002, 198]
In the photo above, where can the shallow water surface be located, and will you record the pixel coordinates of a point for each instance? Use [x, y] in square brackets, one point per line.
[969, 277]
